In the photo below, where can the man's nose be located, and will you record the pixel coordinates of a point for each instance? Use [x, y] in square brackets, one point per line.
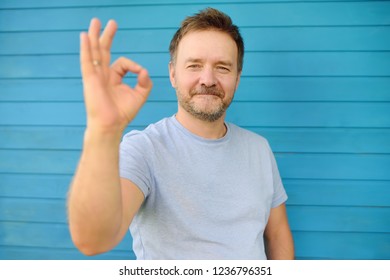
[207, 77]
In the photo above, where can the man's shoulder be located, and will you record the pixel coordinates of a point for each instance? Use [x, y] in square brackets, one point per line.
[244, 134]
[154, 131]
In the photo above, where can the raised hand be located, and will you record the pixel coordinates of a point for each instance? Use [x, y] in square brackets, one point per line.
[110, 103]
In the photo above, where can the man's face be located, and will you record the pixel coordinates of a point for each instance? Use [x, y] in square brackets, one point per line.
[205, 73]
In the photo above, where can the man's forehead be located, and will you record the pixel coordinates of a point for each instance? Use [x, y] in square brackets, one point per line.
[195, 45]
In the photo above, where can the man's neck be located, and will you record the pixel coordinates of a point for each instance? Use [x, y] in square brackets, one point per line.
[204, 129]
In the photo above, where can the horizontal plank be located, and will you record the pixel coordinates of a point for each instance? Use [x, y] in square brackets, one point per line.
[304, 140]
[251, 114]
[370, 38]
[340, 219]
[33, 210]
[343, 89]
[46, 235]
[301, 218]
[39, 253]
[326, 140]
[47, 186]
[243, 14]
[255, 64]
[334, 166]
[27, 4]
[308, 114]
[300, 192]
[291, 165]
[337, 193]
[308, 245]
[342, 246]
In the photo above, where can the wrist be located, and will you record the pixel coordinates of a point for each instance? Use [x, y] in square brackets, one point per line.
[97, 136]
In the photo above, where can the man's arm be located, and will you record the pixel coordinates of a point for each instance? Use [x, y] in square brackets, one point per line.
[277, 236]
[100, 204]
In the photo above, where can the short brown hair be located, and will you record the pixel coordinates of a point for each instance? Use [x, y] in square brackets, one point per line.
[207, 19]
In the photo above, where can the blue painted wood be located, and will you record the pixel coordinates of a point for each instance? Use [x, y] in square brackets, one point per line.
[256, 64]
[94, 3]
[341, 89]
[329, 193]
[45, 235]
[342, 245]
[286, 114]
[362, 38]
[360, 193]
[244, 14]
[345, 219]
[315, 83]
[308, 140]
[44, 253]
[291, 165]
[45, 186]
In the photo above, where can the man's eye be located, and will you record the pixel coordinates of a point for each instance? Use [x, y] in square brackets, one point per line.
[223, 69]
[194, 66]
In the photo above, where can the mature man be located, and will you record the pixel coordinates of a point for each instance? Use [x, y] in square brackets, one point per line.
[190, 186]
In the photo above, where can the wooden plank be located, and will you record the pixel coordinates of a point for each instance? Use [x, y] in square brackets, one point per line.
[282, 140]
[291, 165]
[340, 219]
[326, 140]
[38, 253]
[47, 186]
[256, 64]
[300, 192]
[361, 89]
[328, 245]
[310, 114]
[334, 166]
[27, 4]
[41, 137]
[33, 210]
[337, 193]
[45, 235]
[39, 162]
[251, 114]
[243, 14]
[301, 218]
[359, 38]
[339, 246]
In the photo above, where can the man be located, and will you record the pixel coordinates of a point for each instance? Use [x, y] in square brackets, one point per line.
[190, 186]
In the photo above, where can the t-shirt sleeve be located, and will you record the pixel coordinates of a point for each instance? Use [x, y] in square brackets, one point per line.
[280, 195]
[133, 161]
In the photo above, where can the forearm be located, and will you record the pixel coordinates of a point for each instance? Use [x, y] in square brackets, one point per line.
[94, 202]
[280, 246]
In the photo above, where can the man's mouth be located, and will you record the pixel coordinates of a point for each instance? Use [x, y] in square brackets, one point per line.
[208, 92]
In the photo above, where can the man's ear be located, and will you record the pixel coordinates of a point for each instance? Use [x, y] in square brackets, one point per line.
[171, 68]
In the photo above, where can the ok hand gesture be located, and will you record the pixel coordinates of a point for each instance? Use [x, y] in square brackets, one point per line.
[110, 104]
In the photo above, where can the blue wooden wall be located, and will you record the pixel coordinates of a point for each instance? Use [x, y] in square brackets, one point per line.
[316, 83]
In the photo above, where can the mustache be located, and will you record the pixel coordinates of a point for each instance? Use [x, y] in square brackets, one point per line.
[207, 91]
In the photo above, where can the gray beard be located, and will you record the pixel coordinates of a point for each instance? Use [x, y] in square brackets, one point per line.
[189, 106]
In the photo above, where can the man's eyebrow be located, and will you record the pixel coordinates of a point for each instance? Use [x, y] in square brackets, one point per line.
[191, 60]
[198, 60]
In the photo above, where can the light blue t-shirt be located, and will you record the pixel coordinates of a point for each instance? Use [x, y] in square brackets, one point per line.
[204, 199]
